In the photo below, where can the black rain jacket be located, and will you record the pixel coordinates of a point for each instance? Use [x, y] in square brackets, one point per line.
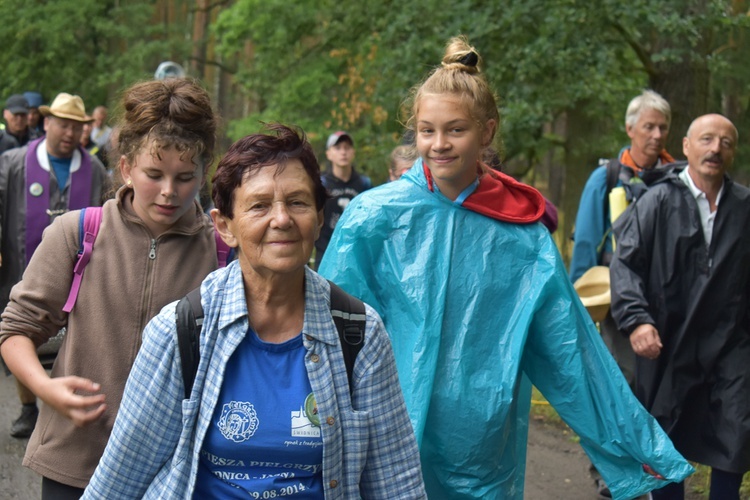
[697, 297]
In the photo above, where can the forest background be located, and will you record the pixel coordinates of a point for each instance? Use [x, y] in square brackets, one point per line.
[564, 69]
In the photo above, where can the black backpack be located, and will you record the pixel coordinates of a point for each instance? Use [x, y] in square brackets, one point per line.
[348, 314]
[633, 191]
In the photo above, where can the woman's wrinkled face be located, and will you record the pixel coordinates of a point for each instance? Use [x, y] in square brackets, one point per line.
[164, 188]
[275, 221]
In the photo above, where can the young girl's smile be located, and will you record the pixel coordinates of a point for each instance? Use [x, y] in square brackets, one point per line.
[450, 141]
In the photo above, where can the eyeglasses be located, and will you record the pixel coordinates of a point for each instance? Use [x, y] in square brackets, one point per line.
[66, 125]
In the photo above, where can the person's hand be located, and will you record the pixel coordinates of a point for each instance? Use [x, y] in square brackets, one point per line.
[648, 470]
[75, 398]
[646, 342]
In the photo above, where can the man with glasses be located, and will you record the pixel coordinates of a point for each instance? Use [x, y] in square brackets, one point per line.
[38, 182]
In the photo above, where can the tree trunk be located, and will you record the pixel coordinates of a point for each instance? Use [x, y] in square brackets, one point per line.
[685, 82]
[685, 86]
[201, 20]
[580, 160]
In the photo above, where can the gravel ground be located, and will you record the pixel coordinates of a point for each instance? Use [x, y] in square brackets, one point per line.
[16, 482]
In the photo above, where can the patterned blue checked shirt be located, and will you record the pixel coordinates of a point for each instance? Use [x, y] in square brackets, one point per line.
[154, 448]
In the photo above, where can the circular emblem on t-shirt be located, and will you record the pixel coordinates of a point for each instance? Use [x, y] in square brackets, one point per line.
[311, 410]
[238, 421]
[36, 189]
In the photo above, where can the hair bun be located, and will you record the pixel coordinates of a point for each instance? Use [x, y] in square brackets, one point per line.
[461, 56]
[471, 59]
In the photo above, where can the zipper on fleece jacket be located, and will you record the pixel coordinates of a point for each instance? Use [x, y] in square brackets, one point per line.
[148, 285]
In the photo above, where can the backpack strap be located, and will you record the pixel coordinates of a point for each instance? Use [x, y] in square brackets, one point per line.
[189, 321]
[349, 316]
[88, 227]
[613, 175]
[222, 250]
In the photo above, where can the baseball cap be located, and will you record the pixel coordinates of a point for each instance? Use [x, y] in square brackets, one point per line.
[338, 136]
[17, 104]
[34, 99]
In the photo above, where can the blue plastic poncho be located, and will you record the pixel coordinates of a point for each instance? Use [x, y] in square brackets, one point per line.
[472, 305]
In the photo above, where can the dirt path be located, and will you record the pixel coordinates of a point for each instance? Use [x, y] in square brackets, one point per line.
[556, 466]
[16, 482]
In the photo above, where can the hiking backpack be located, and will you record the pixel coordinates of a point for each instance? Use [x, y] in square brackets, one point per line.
[634, 186]
[348, 314]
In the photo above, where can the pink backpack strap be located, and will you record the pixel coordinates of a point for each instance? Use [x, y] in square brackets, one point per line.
[88, 227]
[222, 250]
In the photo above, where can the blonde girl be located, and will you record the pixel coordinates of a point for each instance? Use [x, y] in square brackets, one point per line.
[477, 302]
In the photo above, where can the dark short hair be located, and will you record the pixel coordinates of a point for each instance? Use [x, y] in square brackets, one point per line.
[256, 151]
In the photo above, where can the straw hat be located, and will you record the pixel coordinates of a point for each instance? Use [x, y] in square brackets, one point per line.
[69, 107]
[593, 289]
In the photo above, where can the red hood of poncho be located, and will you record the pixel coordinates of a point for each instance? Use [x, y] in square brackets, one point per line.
[501, 197]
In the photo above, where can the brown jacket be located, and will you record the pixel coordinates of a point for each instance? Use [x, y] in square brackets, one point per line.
[124, 285]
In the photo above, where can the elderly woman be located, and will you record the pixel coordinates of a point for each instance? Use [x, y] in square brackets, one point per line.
[271, 412]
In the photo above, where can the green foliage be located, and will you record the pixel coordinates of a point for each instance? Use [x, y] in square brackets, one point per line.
[546, 58]
[323, 66]
[327, 65]
[86, 47]
[549, 58]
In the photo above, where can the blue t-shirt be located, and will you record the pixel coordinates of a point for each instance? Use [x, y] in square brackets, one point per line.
[264, 440]
[61, 166]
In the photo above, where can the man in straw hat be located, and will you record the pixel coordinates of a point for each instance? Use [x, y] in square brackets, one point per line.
[647, 121]
[38, 182]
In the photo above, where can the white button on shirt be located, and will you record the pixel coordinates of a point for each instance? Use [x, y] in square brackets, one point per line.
[707, 217]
